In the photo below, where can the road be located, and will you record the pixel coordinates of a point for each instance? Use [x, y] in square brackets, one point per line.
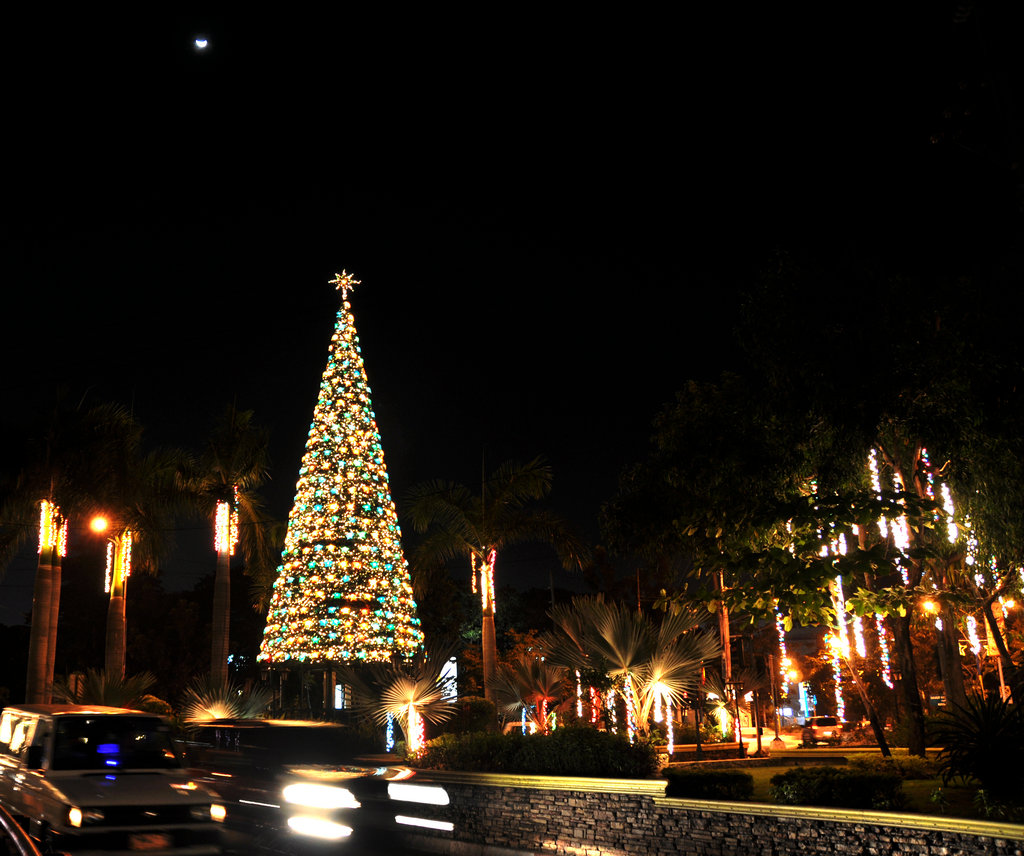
[284, 844]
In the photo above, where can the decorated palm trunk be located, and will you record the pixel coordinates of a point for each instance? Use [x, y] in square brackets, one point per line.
[343, 592]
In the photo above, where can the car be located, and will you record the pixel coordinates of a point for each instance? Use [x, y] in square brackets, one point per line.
[292, 782]
[97, 778]
[821, 728]
[14, 841]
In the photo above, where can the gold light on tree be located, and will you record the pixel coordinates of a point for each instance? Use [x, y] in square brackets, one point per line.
[226, 527]
[343, 592]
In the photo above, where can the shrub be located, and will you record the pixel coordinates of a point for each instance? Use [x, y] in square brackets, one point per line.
[472, 713]
[838, 786]
[983, 742]
[577, 751]
[708, 784]
[906, 766]
[152, 704]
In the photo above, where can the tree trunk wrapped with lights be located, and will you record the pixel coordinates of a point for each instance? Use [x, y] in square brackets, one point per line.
[343, 592]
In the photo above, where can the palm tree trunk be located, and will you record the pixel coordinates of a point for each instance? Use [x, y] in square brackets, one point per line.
[490, 652]
[220, 627]
[51, 648]
[115, 647]
[39, 638]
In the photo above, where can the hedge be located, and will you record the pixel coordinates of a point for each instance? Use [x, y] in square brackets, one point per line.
[838, 786]
[573, 751]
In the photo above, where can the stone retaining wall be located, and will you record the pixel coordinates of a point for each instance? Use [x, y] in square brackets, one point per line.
[495, 814]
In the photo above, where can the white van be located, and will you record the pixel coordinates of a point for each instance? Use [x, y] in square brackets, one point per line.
[93, 778]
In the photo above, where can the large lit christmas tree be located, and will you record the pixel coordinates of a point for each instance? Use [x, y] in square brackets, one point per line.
[343, 592]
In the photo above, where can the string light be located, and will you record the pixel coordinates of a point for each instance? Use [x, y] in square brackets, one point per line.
[972, 634]
[627, 693]
[119, 560]
[784, 661]
[883, 645]
[226, 527]
[485, 570]
[343, 592]
[835, 646]
[53, 529]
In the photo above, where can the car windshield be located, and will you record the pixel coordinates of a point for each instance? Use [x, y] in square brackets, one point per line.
[112, 743]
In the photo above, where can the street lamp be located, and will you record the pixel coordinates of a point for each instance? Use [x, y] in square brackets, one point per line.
[119, 568]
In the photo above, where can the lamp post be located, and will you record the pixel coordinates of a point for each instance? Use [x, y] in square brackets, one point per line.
[119, 568]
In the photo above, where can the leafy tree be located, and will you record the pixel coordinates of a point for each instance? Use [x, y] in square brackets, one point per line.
[460, 523]
[752, 476]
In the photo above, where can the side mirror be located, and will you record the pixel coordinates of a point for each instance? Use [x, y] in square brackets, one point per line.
[34, 757]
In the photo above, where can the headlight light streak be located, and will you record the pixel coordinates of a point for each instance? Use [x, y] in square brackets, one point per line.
[443, 825]
[426, 794]
[318, 827]
[319, 796]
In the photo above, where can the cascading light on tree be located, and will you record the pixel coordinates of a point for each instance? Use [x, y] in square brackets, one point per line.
[343, 592]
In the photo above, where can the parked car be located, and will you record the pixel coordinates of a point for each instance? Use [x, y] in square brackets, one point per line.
[81, 777]
[820, 728]
[291, 781]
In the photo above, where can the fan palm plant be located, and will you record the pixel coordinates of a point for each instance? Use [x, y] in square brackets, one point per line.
[406, 690]
[530, 684]
[460, 523]
[210, 698]
[648, 662]
[101, 687]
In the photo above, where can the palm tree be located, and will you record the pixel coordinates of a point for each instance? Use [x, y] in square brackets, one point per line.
[70, 461]
[649, 662]
[223, 484]
[460, 523]
[135, 497]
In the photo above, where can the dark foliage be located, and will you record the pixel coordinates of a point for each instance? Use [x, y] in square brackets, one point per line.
[564, 752]
[708, 784]
[983, 742]
[838, 786]
[473, 713]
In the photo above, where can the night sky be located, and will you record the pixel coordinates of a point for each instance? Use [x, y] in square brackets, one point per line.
[552, 216]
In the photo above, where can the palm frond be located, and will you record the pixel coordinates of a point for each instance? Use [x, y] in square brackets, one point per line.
[206, 699]
[99, 687]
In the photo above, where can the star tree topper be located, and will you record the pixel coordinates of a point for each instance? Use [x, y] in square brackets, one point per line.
[344, 282]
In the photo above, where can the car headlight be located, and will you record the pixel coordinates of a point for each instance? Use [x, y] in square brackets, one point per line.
[77, 816]
[319, 796]
[208, 812]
